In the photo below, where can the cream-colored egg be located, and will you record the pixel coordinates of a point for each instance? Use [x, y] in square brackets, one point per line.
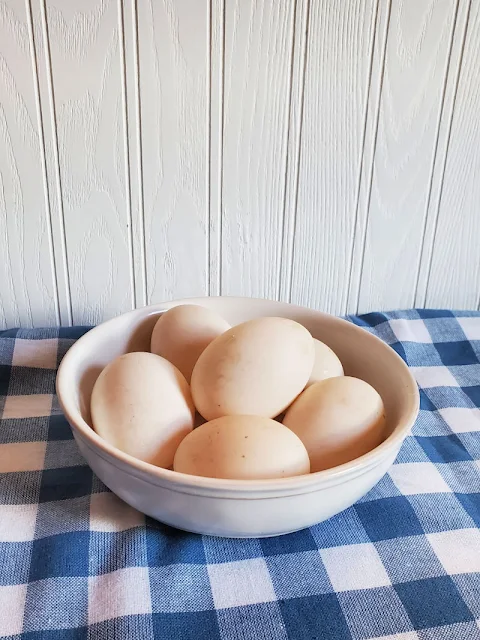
[242, 448]
[326, 365]
[182, 333]
[338, 420]
[255, 368]
[142, 405]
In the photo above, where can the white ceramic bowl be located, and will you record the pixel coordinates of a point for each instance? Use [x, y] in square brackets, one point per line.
[237, 508]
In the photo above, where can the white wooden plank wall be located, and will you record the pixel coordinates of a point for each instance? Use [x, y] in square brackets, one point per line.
[318, 152]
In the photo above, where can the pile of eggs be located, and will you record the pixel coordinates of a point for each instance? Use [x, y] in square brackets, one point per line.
[259, 400]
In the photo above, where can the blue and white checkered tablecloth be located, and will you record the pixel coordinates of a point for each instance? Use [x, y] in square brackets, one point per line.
[404, 562]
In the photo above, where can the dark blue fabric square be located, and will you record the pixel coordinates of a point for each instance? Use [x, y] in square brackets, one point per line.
[63, 555]
[8, 333]
[201, 625]
[435, 313]
[59, 429]
[400, 349]
[314, 617]
[473, 393]
[292, 543]
[14, 562]
[166, 545]
[388, 518]
[72, 333]
[444, 448]
[471, 503]
[369, 319]
[455, 353]
[433, 602]
[59, 634]
[5, 370]
[425, 403]
[66, 482]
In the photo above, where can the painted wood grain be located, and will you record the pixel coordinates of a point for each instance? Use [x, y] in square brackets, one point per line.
[339, 52]
[368, 153]
[319, 152]
[85, 49]
[27, 282]
[47, 116]
[295, 116]
[258, 50]
[416, 59]
[445, 128]
[454, 274]
[173, 57]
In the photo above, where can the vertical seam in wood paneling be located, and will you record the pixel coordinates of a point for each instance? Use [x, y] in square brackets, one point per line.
[46, 192]
[370, 177]
[362, 158]
[138, 132]
[133, 142]
[288, 114]
[126, 150]
[56, 160]
[292, 163]
[444, 162]
[215, 126]
[208, 238]
[300, 133]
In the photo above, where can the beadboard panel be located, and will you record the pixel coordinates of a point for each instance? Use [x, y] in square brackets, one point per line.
[334, 109]
[322, 153]
[27, 278]
[454, 277]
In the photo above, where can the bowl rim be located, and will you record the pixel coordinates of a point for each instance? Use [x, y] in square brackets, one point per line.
[160, 476]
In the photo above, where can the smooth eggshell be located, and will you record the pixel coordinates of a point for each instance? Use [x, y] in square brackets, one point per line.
[182, 333]
[338, 420]
[256, 368]
[326, 365]
[142, 405]
[242, 448]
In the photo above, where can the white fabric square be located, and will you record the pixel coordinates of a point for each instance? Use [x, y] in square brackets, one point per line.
[22, 456]
[354, 566]
[428, 377]
[418, 477]
[17, 522]
[123, 592]
[12, 606]
[108, 513]
[31, 406]
[470, 327]
[39, 354]
[410, 330]
[458, 551]
[235, 584]
[461, 419]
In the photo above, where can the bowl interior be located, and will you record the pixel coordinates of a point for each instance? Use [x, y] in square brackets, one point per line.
[362, 355]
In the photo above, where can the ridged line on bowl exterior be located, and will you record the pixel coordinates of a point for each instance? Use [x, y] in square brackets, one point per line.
[288, 485]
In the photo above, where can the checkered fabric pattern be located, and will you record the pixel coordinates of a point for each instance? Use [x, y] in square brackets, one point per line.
[403, 563]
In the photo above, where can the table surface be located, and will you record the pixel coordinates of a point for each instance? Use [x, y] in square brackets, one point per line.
[403, 563]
